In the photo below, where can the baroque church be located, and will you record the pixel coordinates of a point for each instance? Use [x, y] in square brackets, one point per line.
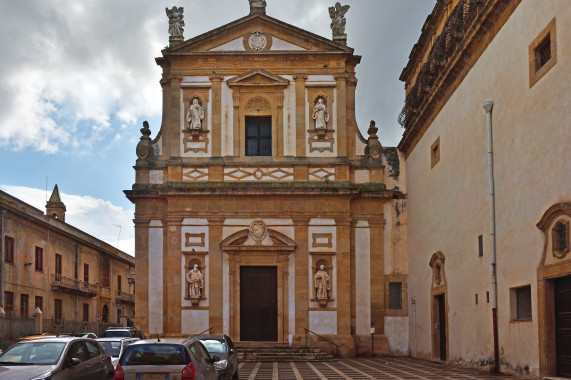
[262, 212]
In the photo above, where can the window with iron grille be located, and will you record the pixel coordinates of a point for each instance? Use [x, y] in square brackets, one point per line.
[24, 305]
[543, 53]
[39, 303]
[523, 303]
[258, 136]
[8, 249]
[58, 309]
[395, 295]
[39, 258]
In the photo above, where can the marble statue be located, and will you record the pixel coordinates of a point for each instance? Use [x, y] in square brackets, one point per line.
[338, 21]
[320, 115]
[322, 283]
[176, 21]
[195, 115]
[194, 277]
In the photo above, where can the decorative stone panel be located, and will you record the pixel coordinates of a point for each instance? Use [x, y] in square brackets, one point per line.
[195, 174]
[322, 174]
[253, 174]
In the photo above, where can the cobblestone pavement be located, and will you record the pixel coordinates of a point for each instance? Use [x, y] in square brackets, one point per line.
[359, 368]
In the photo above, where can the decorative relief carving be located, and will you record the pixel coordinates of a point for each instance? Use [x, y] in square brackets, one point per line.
[258, 103]
[258, 230]
[258, 174]
[144, 150]
[437, 265]
[322, 174]
[195, 174]
[194, 240]
[322, 240]
[257, 41]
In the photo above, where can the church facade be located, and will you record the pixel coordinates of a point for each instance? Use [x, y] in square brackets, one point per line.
[261, 210]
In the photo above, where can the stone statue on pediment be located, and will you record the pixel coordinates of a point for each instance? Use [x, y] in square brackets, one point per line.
[338, 21]
[176, 21]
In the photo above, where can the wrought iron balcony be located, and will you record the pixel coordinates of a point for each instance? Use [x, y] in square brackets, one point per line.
[70, 285]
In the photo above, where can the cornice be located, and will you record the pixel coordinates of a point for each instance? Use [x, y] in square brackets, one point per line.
[467, 32]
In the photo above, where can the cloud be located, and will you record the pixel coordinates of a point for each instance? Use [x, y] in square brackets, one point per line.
[96, 217]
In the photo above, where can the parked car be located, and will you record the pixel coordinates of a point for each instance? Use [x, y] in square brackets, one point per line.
[161, 360]
[114, 347]
[85, 335]
[223, 347]
[126, 332]
[61, 358]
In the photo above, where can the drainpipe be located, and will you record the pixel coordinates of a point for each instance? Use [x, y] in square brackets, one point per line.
[488, 106]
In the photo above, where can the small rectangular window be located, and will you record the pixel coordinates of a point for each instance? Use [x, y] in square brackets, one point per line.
[480, 246]
[8, 249]
[58, 267]
[487, 297]
[395, 295]
[119, 289]
[39, 259]
[86, 273]
[258, 136]
[435, 153]
[523, 303]
[39, 303]
[24, 305]
[542, 53]
[476, 298]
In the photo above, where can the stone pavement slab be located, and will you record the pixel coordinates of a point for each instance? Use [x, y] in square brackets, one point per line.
[359, 368]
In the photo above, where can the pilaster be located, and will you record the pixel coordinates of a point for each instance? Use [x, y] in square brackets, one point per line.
[216, 319]
[301, 281]
[236, 107]
[142, 273]
[342, 127]
[377, 226]
[280, 123]
[351, 120]
[172, 131]
[343, 275]
[216, 125]
[300, 144]
[171, 276]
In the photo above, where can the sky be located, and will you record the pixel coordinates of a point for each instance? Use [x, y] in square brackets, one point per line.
[78, 78]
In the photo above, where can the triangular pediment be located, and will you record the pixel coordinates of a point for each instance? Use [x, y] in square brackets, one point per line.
[258, 77]
[243, 241]
[273, 36]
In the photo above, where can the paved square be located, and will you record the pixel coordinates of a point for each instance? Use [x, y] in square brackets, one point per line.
[359, 368]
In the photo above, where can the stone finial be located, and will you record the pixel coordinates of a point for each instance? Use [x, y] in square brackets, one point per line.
[338, 21]
[257, 6]
[373, 149]
[144, 149]
[176, 24]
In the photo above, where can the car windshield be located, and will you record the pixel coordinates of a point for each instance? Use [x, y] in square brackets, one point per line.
[214, 345]
[117, 334]
[112, 348]
[37, 353]
[154, 354]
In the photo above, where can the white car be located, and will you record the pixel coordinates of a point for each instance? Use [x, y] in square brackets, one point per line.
[114, 347]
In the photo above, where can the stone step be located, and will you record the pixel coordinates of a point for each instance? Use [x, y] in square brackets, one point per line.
[280, 353]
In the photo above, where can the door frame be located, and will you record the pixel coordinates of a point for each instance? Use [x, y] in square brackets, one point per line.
[276, 295]
[439, 288]
[276, 255]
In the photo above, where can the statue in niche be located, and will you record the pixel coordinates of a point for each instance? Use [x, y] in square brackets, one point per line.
[320, 115]
[322, 283]
[437, 274]
[176, 21]
[194, 115]
[196, 283]
[338, 21]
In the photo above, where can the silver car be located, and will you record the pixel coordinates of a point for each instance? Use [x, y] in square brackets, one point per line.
[114, 347]
[154, 360]
[60, 358]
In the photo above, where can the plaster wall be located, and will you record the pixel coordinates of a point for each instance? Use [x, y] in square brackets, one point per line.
[448, 205]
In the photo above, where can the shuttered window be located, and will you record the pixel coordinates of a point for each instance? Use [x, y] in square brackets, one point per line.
[395, 295]
[524, 303]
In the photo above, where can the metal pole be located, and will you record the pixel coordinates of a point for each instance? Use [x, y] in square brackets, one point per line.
[413, 303]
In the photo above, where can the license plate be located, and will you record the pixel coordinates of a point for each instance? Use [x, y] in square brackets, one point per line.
[153, 376]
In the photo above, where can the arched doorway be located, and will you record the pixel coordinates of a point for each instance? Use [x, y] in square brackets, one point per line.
[439, 303]
[105, 314]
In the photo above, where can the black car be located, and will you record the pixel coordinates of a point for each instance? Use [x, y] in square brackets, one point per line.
[221, 346]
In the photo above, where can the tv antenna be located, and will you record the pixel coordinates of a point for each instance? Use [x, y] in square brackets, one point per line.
[118, 237]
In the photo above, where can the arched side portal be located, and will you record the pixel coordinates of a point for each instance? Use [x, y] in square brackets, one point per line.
[439, 307]
[253, 255]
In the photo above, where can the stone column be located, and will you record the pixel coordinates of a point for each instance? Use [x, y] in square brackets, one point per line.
[238, 151]
[173, 127]
[377, 226]
[216, 275]
[301, 280]
[342, 127]
[215, 123]
[300, 127]
[172, 279]
[142, 274]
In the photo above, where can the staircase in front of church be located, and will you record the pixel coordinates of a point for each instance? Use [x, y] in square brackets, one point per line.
[248, 352]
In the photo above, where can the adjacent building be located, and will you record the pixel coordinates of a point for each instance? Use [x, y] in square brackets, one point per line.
[78, 282]
[261, 210]
[488, 161]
